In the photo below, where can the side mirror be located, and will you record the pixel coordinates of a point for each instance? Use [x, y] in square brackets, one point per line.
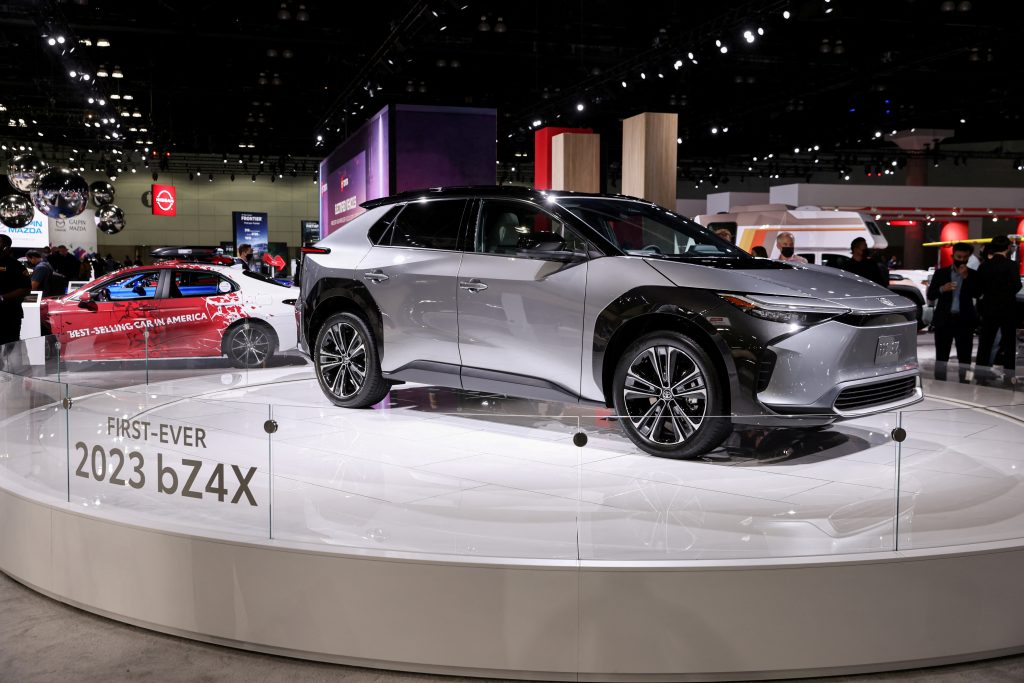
[546, 246]
[85, 301]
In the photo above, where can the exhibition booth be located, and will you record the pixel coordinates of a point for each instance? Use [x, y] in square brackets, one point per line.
[471, 533]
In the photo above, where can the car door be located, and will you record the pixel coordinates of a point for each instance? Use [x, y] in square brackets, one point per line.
[411, 274]
[192, 312]
[112, 324]
[521, 319]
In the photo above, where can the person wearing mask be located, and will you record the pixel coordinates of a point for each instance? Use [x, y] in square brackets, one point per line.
[861, 263]
[245, 254]
[787, 248]
[953, 290]
[999, 282]
[15, 285]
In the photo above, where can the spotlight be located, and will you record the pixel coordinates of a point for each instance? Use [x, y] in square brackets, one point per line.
[678, 64]
[210, 177]
[786, 14]
[579, 107]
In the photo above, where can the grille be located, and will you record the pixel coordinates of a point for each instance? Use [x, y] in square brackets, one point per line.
[876, 394]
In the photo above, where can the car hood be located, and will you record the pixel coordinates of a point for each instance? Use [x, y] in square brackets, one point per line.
[822, 282]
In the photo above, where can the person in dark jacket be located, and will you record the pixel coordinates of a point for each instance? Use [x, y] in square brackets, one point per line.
[999, 280]
[861, 263]
[953, 290]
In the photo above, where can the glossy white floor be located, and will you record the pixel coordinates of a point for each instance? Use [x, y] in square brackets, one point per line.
[458, 474]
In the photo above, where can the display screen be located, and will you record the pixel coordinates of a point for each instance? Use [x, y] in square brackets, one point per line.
[309, 231]
[253, 229]
[444, 146]
[357, 171]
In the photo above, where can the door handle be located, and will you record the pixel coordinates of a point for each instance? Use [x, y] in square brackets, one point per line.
[472, 286]
[375, 275]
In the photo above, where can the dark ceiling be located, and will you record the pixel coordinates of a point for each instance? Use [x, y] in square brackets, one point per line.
[265, 78]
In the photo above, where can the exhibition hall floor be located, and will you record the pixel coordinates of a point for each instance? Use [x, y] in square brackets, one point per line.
[471, 475]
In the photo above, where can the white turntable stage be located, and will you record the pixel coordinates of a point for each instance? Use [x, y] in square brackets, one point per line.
[440, 479]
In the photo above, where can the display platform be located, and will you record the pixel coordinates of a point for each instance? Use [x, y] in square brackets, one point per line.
[479, 534]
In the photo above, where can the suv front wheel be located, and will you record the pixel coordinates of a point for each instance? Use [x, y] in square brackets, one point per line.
[347, 364]
[668, 397]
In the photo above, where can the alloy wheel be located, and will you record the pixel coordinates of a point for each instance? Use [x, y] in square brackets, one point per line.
[251, 346]
[342, 360]
[665, 395]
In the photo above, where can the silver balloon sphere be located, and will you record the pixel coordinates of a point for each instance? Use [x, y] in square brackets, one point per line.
[102, 193]
[61, 193]
[24, 172]
[110, 219]
[16, 211]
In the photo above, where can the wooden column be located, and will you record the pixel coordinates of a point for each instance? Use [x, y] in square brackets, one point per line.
[575, 162]
[649, 157]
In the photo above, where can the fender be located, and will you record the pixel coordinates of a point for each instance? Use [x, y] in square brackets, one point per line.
[731, 341]
[332, 294]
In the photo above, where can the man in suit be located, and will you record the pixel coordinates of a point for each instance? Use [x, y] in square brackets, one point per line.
[953, 290]
[999, 283]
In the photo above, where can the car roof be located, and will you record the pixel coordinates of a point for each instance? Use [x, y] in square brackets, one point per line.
[190, 265]
[515, 191]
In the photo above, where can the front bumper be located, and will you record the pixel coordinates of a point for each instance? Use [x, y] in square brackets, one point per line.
[835, 371]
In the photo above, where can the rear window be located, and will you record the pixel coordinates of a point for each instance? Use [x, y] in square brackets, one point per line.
[264, 278]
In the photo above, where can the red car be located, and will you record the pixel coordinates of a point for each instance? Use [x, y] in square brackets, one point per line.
[190, 310]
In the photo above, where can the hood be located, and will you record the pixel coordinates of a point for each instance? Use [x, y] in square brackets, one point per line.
[822, 282]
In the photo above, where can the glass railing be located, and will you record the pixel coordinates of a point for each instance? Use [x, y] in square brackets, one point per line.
[253, 453]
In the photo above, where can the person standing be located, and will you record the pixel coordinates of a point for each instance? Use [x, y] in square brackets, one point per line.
[953, 290]
[14, 286]
[42, 272]
[999, 280]
[861, 264]
[245, 254]
[787, 248]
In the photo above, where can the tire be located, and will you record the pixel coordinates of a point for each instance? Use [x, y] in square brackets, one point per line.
[693, 392]
[250, 345]
[344, 348]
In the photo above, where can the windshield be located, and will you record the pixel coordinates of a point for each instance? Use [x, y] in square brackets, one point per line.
[642, 229]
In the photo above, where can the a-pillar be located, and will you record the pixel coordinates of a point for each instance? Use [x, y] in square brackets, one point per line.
[649, 157]
[916, 141]
[576, 162]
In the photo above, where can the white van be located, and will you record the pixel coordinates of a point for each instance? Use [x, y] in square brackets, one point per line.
[820, 236]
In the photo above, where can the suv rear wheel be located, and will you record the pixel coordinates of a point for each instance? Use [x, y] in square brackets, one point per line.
[669, 398]
[346, 361]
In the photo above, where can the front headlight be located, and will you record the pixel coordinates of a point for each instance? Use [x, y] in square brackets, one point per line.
[788, 310]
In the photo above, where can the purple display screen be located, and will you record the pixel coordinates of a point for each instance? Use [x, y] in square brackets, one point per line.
[444, 146]
[355, 172]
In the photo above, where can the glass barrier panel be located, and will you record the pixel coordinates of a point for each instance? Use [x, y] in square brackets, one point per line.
[964, 470]
[101, 353]
[788, 487]
[427, 470]
[33, 425]
[192, 465]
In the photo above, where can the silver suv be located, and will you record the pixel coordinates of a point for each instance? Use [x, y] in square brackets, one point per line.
[598, 299]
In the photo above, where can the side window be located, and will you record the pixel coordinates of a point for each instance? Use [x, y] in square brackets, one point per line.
[131, 287]
[431, 224]
[506, 226]
[188, 283]
[380, 232]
